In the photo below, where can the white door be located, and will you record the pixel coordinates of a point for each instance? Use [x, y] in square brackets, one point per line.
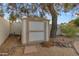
[36, 31]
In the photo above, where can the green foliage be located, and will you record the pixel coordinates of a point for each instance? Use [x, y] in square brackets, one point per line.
[12, 17]
[76, 21]
[68, 6]
[68, 30]
[1, 12]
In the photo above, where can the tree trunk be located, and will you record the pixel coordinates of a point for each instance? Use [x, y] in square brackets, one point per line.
[53, 27]
[54, 22]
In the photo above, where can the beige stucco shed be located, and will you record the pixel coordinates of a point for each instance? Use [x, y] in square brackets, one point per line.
[34, 29]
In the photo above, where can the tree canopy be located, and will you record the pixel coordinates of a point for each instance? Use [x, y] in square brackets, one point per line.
[37, 9]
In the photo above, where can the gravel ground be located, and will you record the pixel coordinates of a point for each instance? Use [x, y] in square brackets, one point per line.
[54, 51]
[42, 51]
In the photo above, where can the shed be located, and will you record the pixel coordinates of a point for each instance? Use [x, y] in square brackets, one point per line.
[34, 29]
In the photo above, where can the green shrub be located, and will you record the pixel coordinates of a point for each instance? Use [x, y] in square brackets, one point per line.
[68, 30]
[76, 21]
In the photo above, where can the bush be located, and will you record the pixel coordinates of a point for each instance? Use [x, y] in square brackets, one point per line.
[76, 21]
[68, 30]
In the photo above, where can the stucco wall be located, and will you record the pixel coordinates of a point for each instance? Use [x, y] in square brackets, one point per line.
[4, 30]
[16, 28]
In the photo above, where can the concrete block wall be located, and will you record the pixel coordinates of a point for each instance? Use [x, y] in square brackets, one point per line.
[4, 30]
[16, 28]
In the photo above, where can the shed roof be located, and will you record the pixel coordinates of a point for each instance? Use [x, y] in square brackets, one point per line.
[36, 18]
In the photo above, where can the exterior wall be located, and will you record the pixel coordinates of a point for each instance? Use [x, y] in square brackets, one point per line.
[16, 28]
[24, 31]
[59, 32]
[47, 31]
[4, 30]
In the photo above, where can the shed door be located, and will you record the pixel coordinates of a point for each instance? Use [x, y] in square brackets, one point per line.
[36, 31]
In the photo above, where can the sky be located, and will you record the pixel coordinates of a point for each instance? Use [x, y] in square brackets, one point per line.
[65, 17]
